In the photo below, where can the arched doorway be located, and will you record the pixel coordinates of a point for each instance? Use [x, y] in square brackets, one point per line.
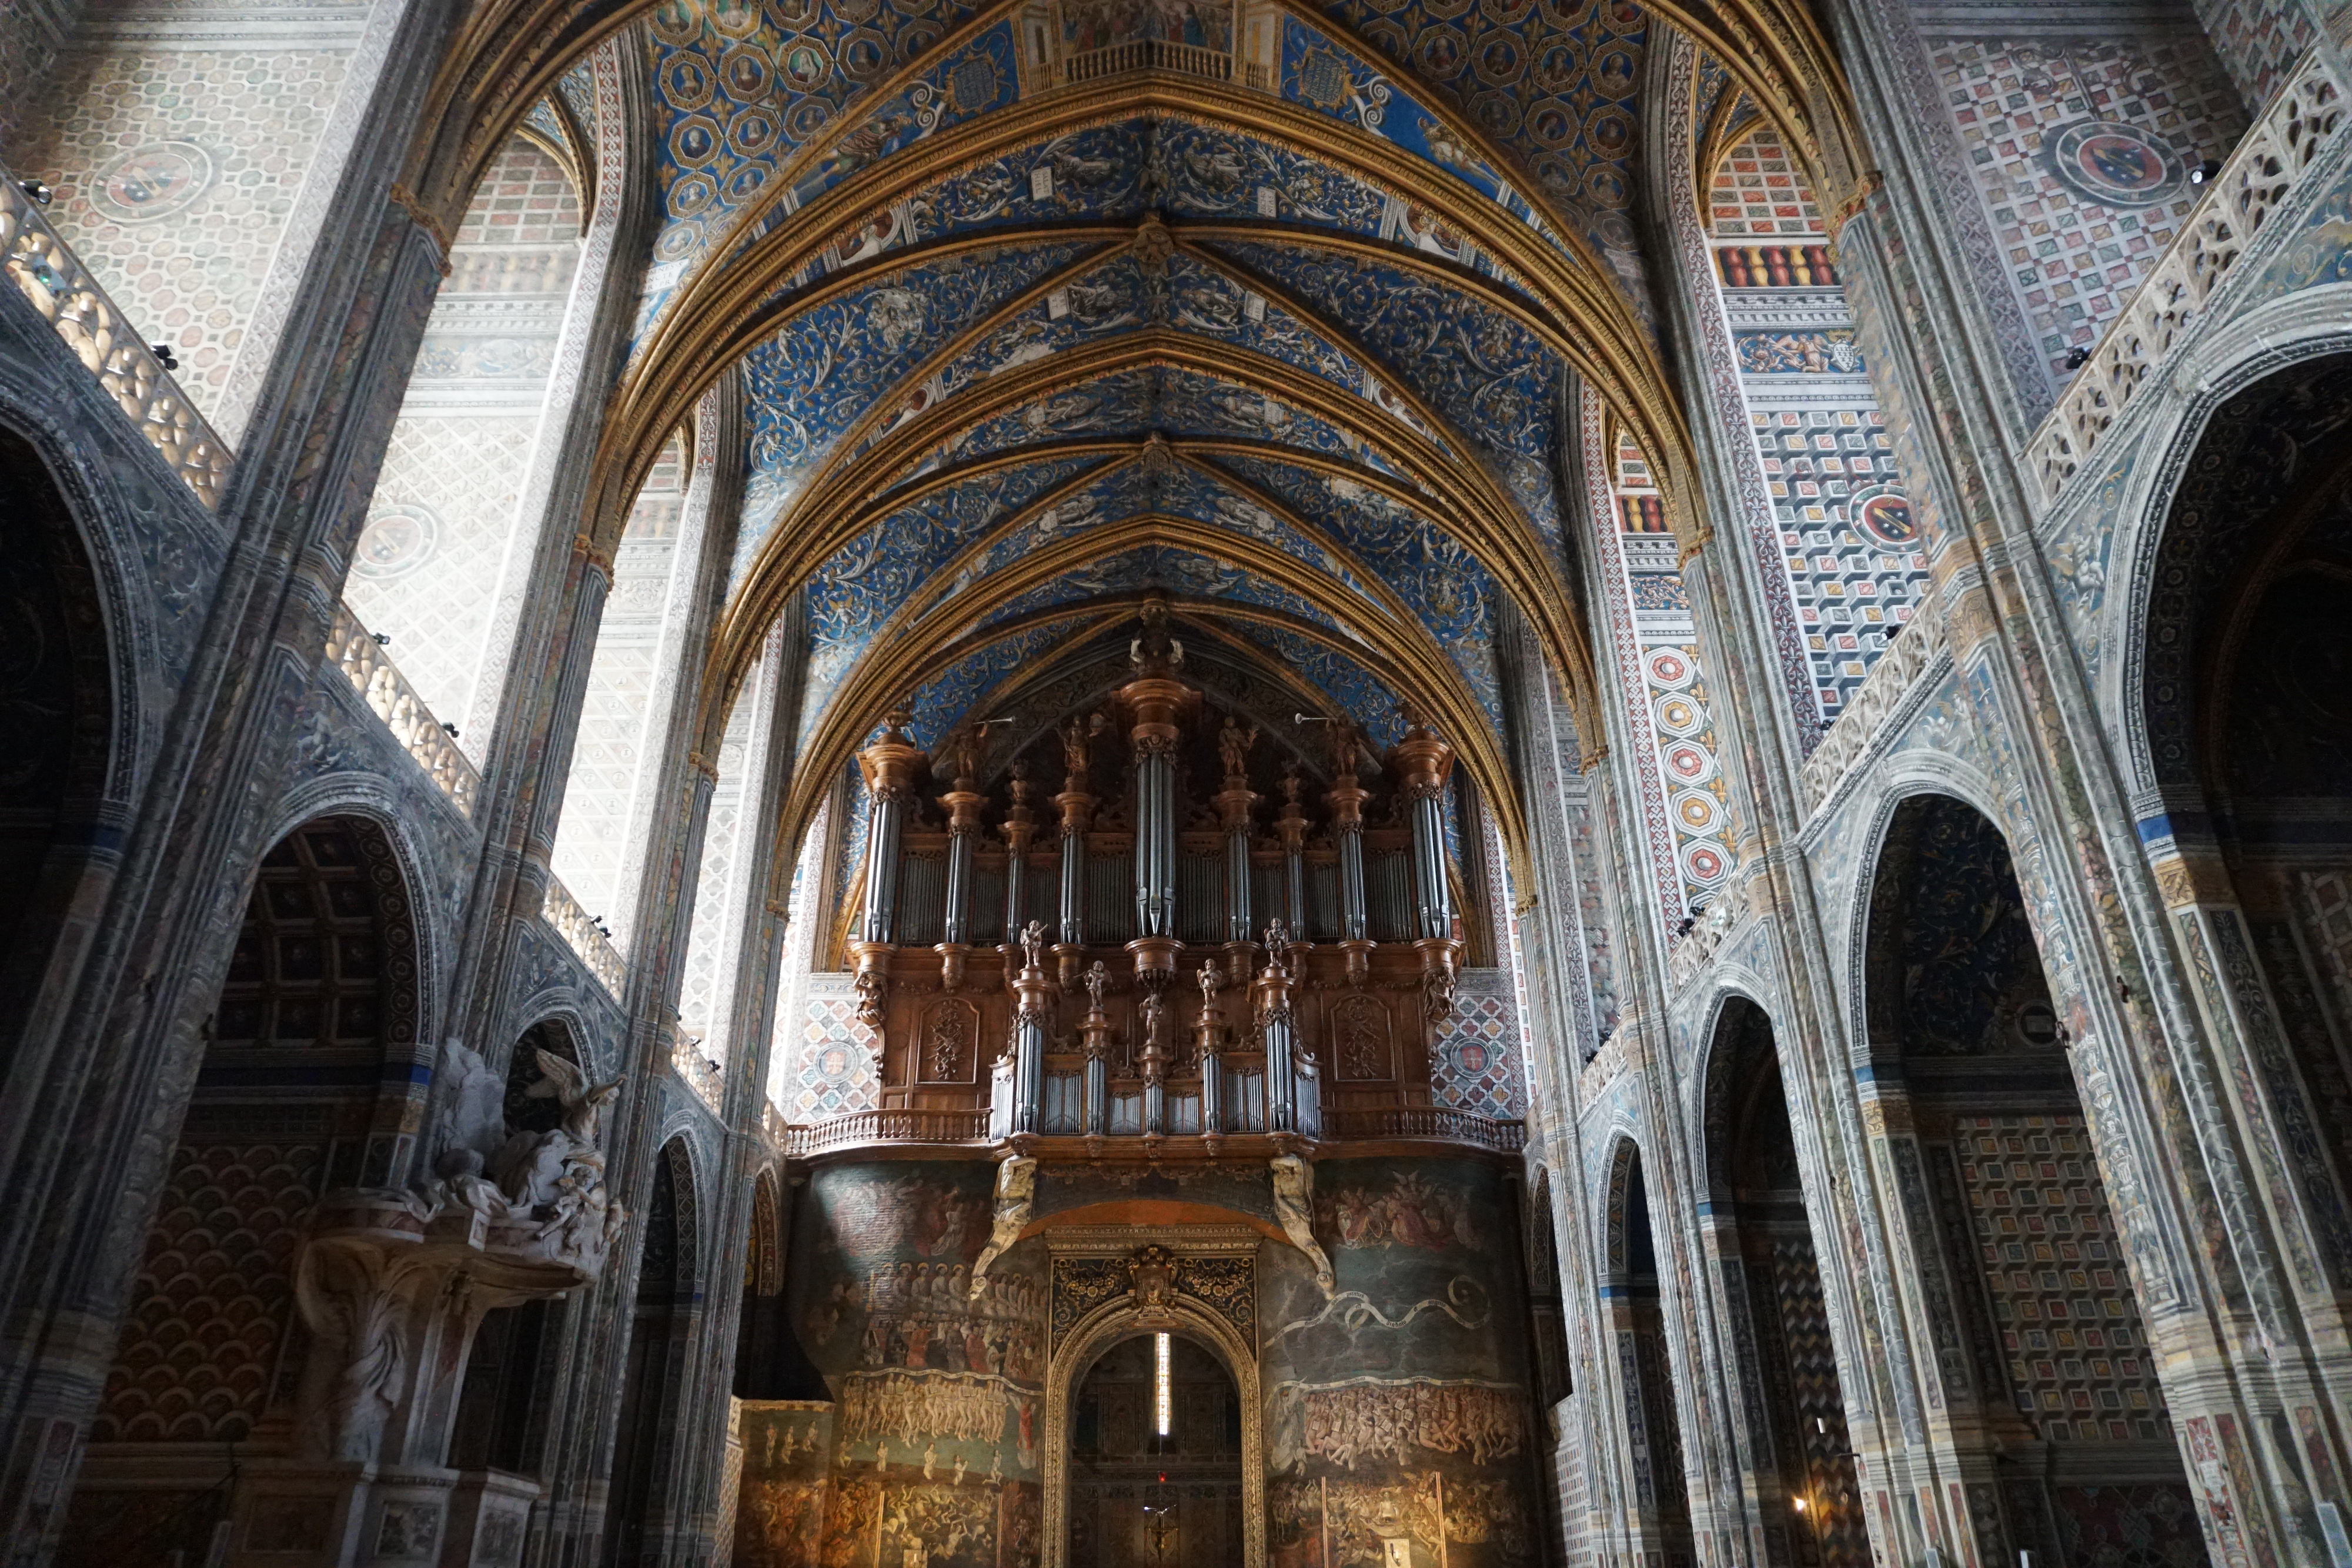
[1660, 1500]
[2245, 649]
[1156, 1458]
[646, 1442]
[54, 688]
[320, 995]
[1772, 1274]
[2038, 1341]
[1139, 1316]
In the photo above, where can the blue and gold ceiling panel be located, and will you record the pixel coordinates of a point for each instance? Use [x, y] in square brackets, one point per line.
[807, 384]
[1555, 87]
[1354, 690]
[1440, 580]
[1156, 486]
[945, 701]
[740, 88]
[1483, 371]
[1171, 399]
[855, 592]
[1188, 572]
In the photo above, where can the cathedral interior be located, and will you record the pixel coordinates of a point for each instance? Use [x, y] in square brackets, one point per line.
[1176, 784]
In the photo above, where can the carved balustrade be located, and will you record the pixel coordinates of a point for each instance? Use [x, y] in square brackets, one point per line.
[48, 273]
[2256, 180]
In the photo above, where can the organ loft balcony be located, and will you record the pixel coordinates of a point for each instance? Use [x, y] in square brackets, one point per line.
[1154, 927]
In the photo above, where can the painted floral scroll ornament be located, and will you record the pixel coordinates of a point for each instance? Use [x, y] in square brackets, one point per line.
[1016, 1199]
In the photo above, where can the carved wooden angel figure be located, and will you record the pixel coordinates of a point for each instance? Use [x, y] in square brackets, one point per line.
[1032, 944]
[1234, 745]
[1097, 977]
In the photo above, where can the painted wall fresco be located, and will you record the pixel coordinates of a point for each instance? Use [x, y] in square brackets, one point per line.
[931, 1442]
[1398, 1427]
[1851, 556]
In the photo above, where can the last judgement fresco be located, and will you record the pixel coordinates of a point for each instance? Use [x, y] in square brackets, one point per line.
[1175, 784]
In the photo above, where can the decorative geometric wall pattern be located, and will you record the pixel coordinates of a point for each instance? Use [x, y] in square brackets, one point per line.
[703, 997]
[2078, 1357]
[1660, 652]
[592, 833]
[214, 1296]
[428, 566]
[1854, 565]
[2081, 149]
[1473, 1065]
[177, 168]
[833, 1072]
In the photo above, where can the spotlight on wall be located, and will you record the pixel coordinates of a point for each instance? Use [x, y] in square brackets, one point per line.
[41, 195]
[1798, 1503]
[2077, 357]
[452, 729]
[163, 355]
[2205, 171]
[383, 639]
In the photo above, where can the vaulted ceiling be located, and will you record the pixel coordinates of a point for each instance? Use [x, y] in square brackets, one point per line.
[1040, 307]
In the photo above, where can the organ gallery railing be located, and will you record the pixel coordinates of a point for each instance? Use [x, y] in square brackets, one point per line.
[2255, 181]
[48, 273]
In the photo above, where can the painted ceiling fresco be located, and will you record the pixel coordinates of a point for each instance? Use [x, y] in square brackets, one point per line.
[1293, 344]
[765, 107]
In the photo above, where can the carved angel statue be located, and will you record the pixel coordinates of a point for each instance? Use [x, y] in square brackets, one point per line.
[1290, 783]
[1210, 984]
[1075, 736]
[1016, 1196]
[1278, 935]
[1234, 745]
[1293, 1196]
[1344, 750]
[529, 1164]
[1154, 1010]
[1032, 944]
[1097, 978]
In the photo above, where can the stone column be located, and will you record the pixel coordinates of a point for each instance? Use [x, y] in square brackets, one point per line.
[889, 765]
[85, 1158]
[1424, 765]
[1346, 797]
[962, 804]
[1271, 999]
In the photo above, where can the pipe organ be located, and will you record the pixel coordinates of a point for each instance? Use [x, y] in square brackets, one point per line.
[1183, 947]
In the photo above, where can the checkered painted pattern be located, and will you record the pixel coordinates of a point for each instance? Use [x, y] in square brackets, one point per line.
[1827, 462]
[2054, 1264]
[2075, 261]
[525, 199]
[835, 1073]
[1474, 1065]
[1757, 191]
